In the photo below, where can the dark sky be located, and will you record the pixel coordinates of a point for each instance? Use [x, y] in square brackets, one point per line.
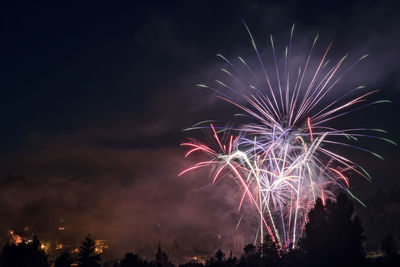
[93, 98]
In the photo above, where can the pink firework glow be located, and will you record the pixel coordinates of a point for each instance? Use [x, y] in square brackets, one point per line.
[281, 156]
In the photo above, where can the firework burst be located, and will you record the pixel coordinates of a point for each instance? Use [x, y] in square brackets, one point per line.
[281, 155]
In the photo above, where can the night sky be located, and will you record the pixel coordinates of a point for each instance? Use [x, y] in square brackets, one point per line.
[94, 98]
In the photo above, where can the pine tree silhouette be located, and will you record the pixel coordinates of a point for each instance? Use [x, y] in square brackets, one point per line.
[333, 235]
[88, 257]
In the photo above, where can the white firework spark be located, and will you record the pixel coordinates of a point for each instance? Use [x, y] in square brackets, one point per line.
[280, 157]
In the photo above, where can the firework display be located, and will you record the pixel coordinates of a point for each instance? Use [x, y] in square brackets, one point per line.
[281, 155]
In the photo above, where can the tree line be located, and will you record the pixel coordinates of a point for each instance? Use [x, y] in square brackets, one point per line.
[333, 236]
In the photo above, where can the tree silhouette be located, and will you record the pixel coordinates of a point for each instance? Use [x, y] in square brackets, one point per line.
[132, 260]
[293, 257]
[316, 227]
[249, 250]
[88, 256]
[218, 259]
[24, 254]
[389, 245]
[333, 235]
[231, 260]
[219, 255]
[268, 251]
[64, 260]
[251, 256]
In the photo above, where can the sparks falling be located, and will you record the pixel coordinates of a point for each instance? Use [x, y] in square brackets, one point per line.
[281, 156]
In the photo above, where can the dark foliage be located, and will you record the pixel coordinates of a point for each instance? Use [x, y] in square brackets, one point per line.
[389, 246]
[268, 252]
[219, 260]
[333, 235]
[64, 260]
[294, 257]
[88, 257]
[251, 256]
[249, 250]
[23, 255]
[132, 260]
[382, 216]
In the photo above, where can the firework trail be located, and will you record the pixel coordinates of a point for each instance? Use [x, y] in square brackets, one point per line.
[281, 157]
